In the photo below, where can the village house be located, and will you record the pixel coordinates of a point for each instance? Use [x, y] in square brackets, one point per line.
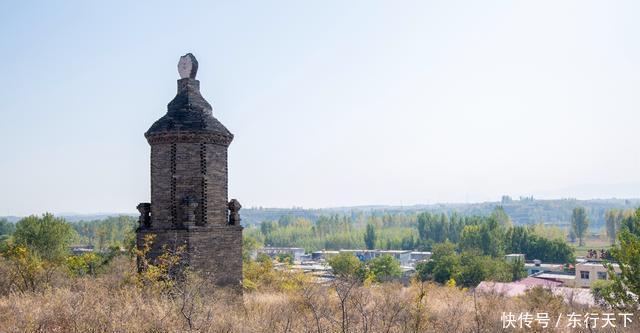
[590, 271]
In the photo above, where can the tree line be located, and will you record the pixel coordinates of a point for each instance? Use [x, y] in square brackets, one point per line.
[39, 245]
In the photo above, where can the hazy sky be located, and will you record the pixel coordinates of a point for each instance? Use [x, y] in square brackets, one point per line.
[332, 103]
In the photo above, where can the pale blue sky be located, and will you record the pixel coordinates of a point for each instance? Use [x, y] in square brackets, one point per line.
[332, 103]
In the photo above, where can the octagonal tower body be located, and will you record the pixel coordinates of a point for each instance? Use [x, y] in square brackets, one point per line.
[189, 204]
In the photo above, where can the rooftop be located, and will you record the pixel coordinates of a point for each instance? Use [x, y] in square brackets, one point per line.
[189, 112]
[281, 248]
[595, 264]
[543, 265]
[378, 251]
[570, 295]
[535, 281]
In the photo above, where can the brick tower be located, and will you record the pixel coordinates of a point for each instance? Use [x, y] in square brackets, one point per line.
[189, 185]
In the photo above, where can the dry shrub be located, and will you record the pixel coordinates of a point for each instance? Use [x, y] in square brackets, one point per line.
[539, 299]
[449, 309]
[488, 308]
[113, 302]
[5, 277]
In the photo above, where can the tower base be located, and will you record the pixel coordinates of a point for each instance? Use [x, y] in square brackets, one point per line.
[210, 251]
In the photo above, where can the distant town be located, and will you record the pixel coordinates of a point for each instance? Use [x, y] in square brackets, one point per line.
[582, 271]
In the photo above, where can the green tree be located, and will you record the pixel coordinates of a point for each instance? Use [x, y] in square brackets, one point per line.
[548, 231]
[446, 268]
[47, 236]
[385, 268]
[446, 262]
[501, 216]
[345, 265]
[626, 253]
[286, 258]
[27, 271]
[370, 237]
[422, 225]
[443, 249]
[408, 243]
[91, 263]
[520, 239]
[579, 223]
[487, 237]
[518, 271]
[286, 220]
[599, 290]
[612, 219]
[475, 268]
[6, 229]
[249, 245]
[471, 239]
[572, 235]
[111, 231]
[424, 270]
[267, 227]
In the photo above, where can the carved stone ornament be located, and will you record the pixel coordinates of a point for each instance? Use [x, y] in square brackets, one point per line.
[234, 212]
[145, 214]
[189, 204]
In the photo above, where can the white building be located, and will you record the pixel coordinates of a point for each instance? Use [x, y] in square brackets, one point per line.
[323, 255]
[402, 256]
[537, 267]
[591, 271]
[295, 252]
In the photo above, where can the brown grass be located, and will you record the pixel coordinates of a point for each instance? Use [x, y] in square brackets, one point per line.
[112, 303]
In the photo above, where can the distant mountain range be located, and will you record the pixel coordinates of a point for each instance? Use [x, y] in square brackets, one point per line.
[73, 217]
[522, 211]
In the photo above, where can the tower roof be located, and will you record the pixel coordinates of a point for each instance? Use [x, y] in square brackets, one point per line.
[189, 113]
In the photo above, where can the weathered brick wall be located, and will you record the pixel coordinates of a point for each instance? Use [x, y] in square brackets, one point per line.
[216, 185]
[188, 178]
[214, 252]
[211, 251]
[161, 175]
[198, 170]
[170, 239]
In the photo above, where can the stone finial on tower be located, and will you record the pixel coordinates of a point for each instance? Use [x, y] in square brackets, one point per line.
[188, 66]
[188, 113]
